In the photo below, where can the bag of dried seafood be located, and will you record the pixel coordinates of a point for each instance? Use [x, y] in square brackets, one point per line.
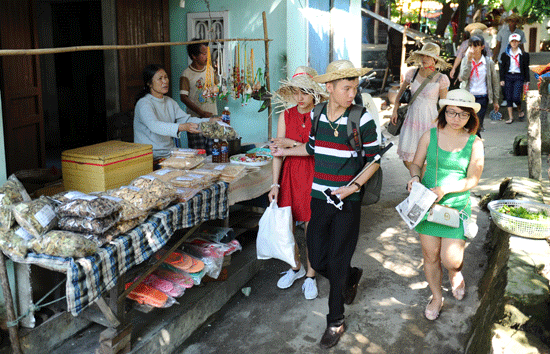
[60, 243]
[11, 192]
[36, 216]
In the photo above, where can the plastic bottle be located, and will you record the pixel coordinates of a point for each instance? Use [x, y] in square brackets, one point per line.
[226, 115]
[216, 153]
[224, 152]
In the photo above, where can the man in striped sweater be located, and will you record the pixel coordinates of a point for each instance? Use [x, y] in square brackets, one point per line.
[333, 233]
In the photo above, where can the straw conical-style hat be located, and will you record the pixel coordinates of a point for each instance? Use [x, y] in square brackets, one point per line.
[341, 69]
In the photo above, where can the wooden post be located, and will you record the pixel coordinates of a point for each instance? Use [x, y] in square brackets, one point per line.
[534, 135]
[376, 23]
[267, 84]
[13, 330]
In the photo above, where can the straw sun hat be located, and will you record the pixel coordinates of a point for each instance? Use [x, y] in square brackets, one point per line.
[341, 69]
[475, 25]
[460, 98]
[303, 80]
[513, 17]
[432, 50]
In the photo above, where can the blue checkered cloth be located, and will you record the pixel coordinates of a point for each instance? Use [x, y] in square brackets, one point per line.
[88, 278]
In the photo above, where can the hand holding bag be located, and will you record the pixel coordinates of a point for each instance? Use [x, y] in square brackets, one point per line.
[275, 238]
[444, 215]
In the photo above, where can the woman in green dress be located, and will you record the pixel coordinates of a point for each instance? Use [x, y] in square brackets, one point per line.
[454, 156]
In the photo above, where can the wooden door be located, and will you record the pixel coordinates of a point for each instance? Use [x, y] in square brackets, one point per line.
[21, 87]
[140, 22]
[532, 40]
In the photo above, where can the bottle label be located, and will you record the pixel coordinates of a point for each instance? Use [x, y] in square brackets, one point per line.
[226, 118]
[224, 149]
[215, 152]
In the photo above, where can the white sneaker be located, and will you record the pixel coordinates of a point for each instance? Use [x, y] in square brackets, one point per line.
[504, 103]
[290, 277]
[309, 288]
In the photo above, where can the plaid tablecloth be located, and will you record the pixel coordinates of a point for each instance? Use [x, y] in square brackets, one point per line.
[89, 277]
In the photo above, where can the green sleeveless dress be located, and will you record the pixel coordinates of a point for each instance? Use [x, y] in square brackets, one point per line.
[452, 167]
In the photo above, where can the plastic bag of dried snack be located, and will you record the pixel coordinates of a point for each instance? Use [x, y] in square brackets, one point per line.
[15, 243]
[36, 216]
[218, 130]
[127, 210]
[60, 243]
[138, 197]
[85, 225]
[88, 206]
[184, 194]
[167, 174]
[11, 193]
[163, 192]
[192, 180]
[124, 226]
[187, 152]
[182, 162]
[65, 196]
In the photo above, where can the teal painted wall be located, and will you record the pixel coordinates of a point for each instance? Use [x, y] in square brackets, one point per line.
[245, 21]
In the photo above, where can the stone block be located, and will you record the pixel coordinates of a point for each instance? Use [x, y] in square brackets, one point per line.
[512, 341]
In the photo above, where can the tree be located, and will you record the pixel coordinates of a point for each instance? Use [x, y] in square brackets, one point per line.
[534, 10]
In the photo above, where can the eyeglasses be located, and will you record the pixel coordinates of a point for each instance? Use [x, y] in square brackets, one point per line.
[461, 115]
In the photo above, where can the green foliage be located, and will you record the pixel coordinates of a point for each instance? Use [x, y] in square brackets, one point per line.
[534, 10]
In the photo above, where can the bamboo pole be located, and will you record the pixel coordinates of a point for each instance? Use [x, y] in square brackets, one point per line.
[13, 330]
[267, 84]
[5, 52]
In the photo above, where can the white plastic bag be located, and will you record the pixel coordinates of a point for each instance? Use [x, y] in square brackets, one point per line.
[275, 238]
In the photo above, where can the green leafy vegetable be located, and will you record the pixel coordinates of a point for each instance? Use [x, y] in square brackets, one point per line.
[523, 213]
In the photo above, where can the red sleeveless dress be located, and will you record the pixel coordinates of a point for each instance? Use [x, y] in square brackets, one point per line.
[297, 171]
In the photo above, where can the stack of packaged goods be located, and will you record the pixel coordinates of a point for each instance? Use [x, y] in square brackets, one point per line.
[91, 215]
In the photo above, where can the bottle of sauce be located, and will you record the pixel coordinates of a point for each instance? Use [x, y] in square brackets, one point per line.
[216, 153]
[226, 115]
[224, 152]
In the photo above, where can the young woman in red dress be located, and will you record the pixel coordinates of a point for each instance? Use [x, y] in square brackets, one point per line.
[293, 175]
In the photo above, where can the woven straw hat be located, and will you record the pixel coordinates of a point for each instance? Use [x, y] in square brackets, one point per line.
[475, 25]
[432, 50]
[513, 17]
[341, 69]
[303, 80]
[460, 98]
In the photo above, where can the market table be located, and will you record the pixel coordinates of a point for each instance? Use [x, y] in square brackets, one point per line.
[255, 183]
[88, 278]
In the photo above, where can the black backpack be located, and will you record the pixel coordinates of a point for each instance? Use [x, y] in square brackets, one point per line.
[371, 190]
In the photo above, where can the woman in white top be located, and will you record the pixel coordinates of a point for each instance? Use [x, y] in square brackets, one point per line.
[158, 119]
[479, 76]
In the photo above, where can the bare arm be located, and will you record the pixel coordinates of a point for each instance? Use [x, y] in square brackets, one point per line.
[419, 158]
[402, 89]
[277, 161]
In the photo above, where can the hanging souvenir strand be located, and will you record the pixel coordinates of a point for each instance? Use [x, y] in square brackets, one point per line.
[210, 89]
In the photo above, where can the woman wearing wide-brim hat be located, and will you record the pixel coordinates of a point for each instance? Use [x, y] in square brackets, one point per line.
[423, 111]
[293, 176]
[454, 156]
